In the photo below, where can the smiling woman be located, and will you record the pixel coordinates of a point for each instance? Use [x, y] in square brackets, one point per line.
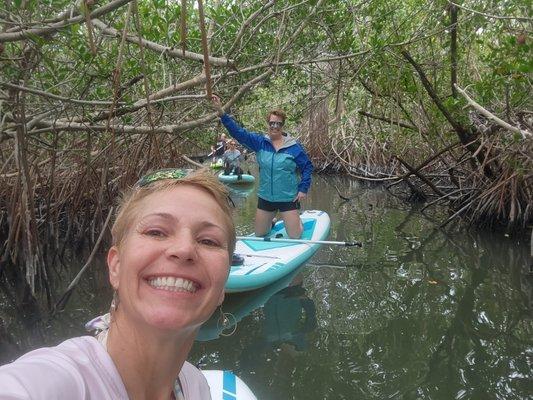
[168, 266]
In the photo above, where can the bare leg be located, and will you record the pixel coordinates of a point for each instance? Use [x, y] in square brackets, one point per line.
[263, 222]
[293, 223]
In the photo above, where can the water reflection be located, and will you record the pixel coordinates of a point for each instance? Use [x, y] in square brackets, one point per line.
[288, 314]
[239, 193]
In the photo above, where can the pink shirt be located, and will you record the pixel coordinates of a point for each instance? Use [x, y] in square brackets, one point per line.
[79, 368]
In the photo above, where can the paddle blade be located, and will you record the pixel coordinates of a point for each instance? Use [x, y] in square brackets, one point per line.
[353, 244]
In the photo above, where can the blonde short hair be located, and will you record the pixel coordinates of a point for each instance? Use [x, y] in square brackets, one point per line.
[202, 179]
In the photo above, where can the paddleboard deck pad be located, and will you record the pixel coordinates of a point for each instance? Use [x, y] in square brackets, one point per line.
[231, 178]
[266, 262]
[225, 385]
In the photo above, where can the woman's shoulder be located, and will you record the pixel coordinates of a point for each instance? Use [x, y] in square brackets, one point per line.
[77, 350]
[76, 368]
[70, 350]
[291, 142]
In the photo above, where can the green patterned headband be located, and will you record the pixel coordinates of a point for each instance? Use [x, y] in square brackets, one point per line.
[169, 173]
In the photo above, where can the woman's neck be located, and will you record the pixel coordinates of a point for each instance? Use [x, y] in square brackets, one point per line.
[148, 362]
[277, 141]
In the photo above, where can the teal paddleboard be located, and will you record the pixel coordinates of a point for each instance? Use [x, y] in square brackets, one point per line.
[225, 385]
[266, 262]
[234, 179]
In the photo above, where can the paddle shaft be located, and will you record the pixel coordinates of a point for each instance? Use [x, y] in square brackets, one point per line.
[327, 242]
[214, 151]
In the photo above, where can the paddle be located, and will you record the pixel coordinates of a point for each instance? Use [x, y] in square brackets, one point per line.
[287, 240]
[213, 152]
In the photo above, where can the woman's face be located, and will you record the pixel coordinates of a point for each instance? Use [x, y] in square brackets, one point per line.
[275, 126]
[172, 266]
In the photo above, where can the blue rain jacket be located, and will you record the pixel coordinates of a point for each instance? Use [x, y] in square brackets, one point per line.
[278, 180]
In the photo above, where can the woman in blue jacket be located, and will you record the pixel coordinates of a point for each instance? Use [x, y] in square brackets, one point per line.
[279, 157]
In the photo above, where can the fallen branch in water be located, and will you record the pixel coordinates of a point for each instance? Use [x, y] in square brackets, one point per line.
[191, 161]
[419, 175]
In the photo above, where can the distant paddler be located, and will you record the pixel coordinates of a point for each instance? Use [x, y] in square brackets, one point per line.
[232, 159]
[219, 148]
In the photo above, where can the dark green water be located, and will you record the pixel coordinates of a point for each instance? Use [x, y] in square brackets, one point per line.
[417, 313]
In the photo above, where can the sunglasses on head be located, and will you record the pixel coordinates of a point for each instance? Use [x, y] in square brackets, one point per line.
[275, 124]
[169, 173]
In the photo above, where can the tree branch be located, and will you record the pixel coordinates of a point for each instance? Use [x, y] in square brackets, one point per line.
[492, 16]
[461, 131]
[46, 126]
[158, 48]
[246, 24]
[491, 116]
[453, 48]
[422, 177]
[45, 30]
[56, 97]
[390, 121]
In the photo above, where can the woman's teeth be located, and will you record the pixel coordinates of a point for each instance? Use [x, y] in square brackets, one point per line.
[173, 284]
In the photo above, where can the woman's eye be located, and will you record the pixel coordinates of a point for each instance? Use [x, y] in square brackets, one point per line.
[209, 242]
[154, 233]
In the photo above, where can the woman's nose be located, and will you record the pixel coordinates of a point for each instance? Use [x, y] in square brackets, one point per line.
[183, 247]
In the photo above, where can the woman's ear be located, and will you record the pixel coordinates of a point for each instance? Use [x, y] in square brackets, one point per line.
[113, 263]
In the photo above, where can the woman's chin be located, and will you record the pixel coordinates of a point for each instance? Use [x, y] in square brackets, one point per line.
[169, 319]
[165, 324]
